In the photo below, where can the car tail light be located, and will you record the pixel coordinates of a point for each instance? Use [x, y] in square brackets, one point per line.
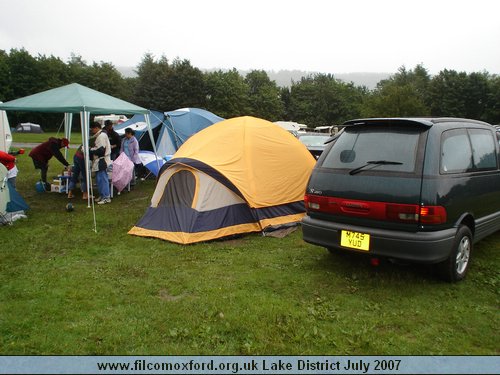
[397, 212]
[402, 212]
[317, 203]
[432, 215]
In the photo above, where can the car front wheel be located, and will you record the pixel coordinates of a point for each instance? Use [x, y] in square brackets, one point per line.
[455, 267]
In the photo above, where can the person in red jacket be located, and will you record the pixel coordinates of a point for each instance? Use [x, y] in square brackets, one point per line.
[9, 161]
[42, 153]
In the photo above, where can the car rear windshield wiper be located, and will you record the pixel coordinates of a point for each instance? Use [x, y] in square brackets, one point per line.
[373, 164]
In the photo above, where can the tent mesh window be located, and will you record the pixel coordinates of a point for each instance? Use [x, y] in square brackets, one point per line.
[179, 190]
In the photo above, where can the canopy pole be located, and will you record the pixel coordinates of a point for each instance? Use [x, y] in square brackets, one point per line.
[68, 118]
[85, 120]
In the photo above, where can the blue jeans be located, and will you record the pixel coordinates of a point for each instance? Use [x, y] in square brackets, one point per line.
[103, 183]
[77, 172]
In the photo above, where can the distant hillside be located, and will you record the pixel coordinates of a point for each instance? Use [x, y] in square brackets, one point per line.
[127, 71]
[284, 78]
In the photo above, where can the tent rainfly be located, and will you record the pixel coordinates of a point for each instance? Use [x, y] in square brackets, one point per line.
[75, 98]
[237, 176]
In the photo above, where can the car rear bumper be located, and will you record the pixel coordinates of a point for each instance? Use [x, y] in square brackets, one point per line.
[424, 247]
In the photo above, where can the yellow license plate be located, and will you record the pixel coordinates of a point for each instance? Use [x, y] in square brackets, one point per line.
[355, 240]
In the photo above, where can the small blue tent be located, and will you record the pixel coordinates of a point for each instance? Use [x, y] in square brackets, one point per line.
[170, 129]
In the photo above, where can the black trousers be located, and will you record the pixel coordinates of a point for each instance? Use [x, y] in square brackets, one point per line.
[44, 167]
[140, 170]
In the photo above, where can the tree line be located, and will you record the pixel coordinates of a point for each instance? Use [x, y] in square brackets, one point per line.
[316, 100]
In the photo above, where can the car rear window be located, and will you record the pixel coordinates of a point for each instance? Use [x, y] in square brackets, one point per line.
[358, 146]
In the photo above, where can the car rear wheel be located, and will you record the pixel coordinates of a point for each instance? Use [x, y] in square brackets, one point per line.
[455, 267]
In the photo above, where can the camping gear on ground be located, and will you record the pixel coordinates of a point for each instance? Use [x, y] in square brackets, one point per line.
[60, 183]
[41, 187]
[237, 176]
[170, 129]
[122, 173]
[12, 205]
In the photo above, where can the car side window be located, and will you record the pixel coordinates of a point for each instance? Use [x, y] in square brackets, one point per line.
[456, 152]
[483, 149]
[467, 151]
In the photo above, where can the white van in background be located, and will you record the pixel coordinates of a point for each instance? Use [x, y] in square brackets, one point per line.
[115, 119]
[5, 134]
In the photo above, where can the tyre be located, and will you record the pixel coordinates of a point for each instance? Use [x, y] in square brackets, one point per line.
[455, 267]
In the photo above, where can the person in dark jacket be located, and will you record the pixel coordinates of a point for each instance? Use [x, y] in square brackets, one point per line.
[42, 153]
[79, 173]
[114, 139]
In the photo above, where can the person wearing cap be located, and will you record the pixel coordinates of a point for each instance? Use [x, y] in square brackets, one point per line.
[114, 139]
[100, 154]
[42, 153]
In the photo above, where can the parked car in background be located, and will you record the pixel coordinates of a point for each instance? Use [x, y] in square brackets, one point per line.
[414, 189]
[315, 142]
[115, 119]
[293, 127]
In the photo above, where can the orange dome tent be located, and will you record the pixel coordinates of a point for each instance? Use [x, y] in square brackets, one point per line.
[237, 176]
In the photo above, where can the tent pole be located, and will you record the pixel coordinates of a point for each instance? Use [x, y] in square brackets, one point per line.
[150, 131]
[178, 139]
[166, 143]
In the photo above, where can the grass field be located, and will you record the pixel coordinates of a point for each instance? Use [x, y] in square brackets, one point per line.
[67, 290]
[76, 138]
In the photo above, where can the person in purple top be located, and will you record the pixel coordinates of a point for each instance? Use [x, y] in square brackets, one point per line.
[130, 146]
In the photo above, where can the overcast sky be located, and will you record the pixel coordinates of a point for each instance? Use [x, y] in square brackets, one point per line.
[314, 35]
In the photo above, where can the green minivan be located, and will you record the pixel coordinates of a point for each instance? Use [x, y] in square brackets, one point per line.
[413, 189]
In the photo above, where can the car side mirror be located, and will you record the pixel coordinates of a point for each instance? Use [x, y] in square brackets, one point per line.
[347, 156]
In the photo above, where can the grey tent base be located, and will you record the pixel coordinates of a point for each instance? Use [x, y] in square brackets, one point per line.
[281, 231]
[8, 218]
